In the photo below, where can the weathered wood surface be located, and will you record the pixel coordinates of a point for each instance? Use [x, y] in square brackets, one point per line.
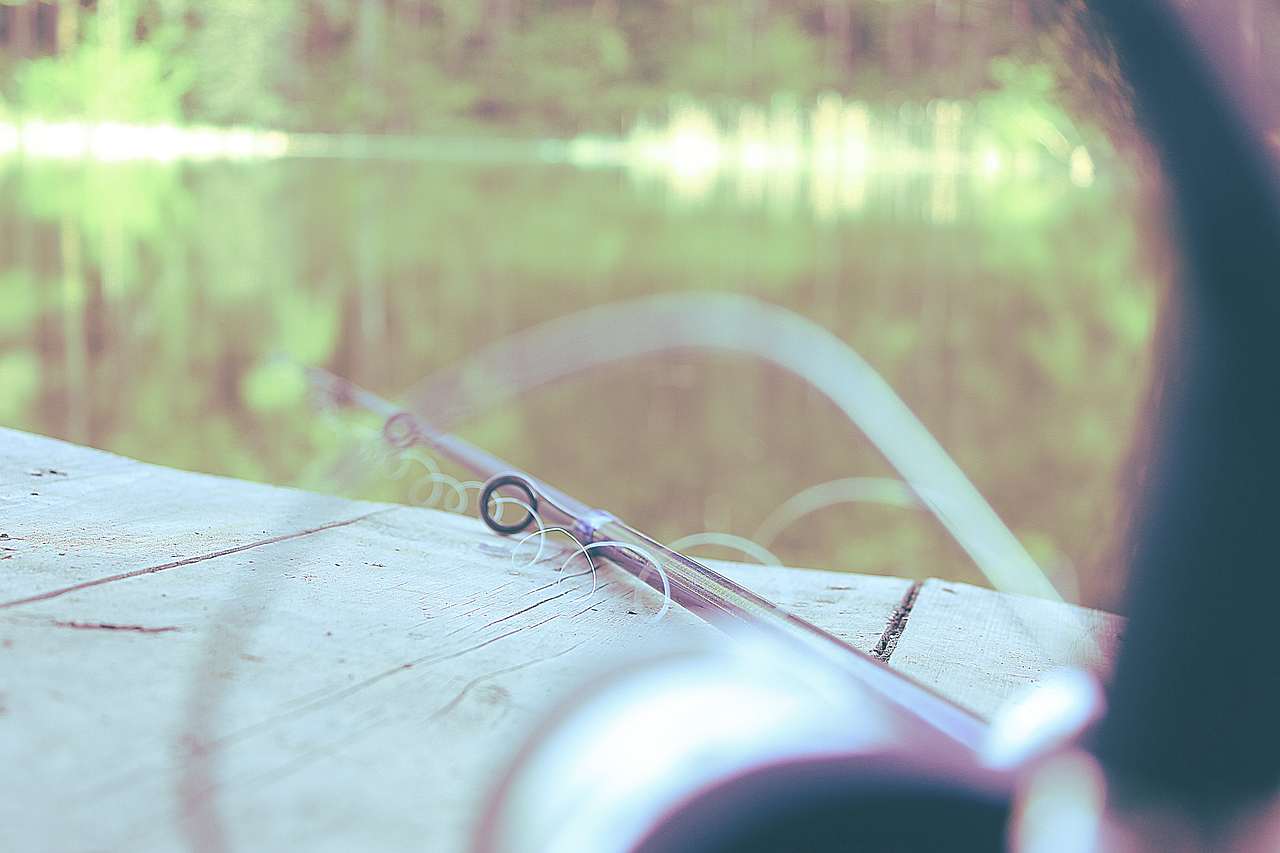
[977, 647]
[192, 662]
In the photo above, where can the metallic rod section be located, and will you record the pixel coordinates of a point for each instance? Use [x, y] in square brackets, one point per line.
[706, 593]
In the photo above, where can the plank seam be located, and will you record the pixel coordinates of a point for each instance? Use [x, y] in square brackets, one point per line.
[44, 596]
[897, 624]
[107, 626]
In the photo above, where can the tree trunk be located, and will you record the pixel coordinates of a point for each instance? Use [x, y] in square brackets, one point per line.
[68, 28]
[838, 24]
[22, 24]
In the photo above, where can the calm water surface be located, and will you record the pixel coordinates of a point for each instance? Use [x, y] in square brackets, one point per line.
[143, 303]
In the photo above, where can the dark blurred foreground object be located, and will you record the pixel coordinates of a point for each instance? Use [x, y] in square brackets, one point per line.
[1191, 741]
[1190, 744]
[875, 804]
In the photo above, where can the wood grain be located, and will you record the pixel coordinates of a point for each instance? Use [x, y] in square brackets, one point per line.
[192, 662]
[977, 647]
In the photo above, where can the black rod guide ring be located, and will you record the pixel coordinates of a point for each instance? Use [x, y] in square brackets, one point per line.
[492, 486]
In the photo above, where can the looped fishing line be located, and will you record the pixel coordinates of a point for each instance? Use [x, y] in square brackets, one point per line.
[739, 323]
[584, 551]
[541, 534]
[438, 483]
[400, 461]
[749, 547]
[370, 448]
[648, 558]
[390, 453]
[438, 480]
[639, 552]
[395, 447]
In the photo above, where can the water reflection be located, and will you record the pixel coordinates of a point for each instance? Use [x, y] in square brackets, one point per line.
[819, 160]
[1010, 306]
[826, 160]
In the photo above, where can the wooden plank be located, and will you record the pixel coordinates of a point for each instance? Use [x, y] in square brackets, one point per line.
[186, 659]
[855, 608]
[342, 701]
[85, 516]
[977, 647]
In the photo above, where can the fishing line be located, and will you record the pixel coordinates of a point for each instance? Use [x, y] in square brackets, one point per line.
[881, 490]
[438, 482]
[388, 452]
[642, 554]
[756, 550]
[541, 534]
[739, 323]
[403, 460]
[532, 516]
[401, 434]
[578, 549]
[432, 476]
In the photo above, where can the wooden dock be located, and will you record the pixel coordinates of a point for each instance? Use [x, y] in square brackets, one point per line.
[194, 662]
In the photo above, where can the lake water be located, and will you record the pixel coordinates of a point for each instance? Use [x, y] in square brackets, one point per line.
[1010, 302]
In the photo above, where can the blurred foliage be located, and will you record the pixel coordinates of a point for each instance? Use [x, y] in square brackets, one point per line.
[105, 74]
[500, 67]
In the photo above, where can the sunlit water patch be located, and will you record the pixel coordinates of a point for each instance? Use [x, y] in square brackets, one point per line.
[828, 158]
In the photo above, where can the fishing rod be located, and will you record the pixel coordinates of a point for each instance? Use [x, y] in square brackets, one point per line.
[930, 719]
